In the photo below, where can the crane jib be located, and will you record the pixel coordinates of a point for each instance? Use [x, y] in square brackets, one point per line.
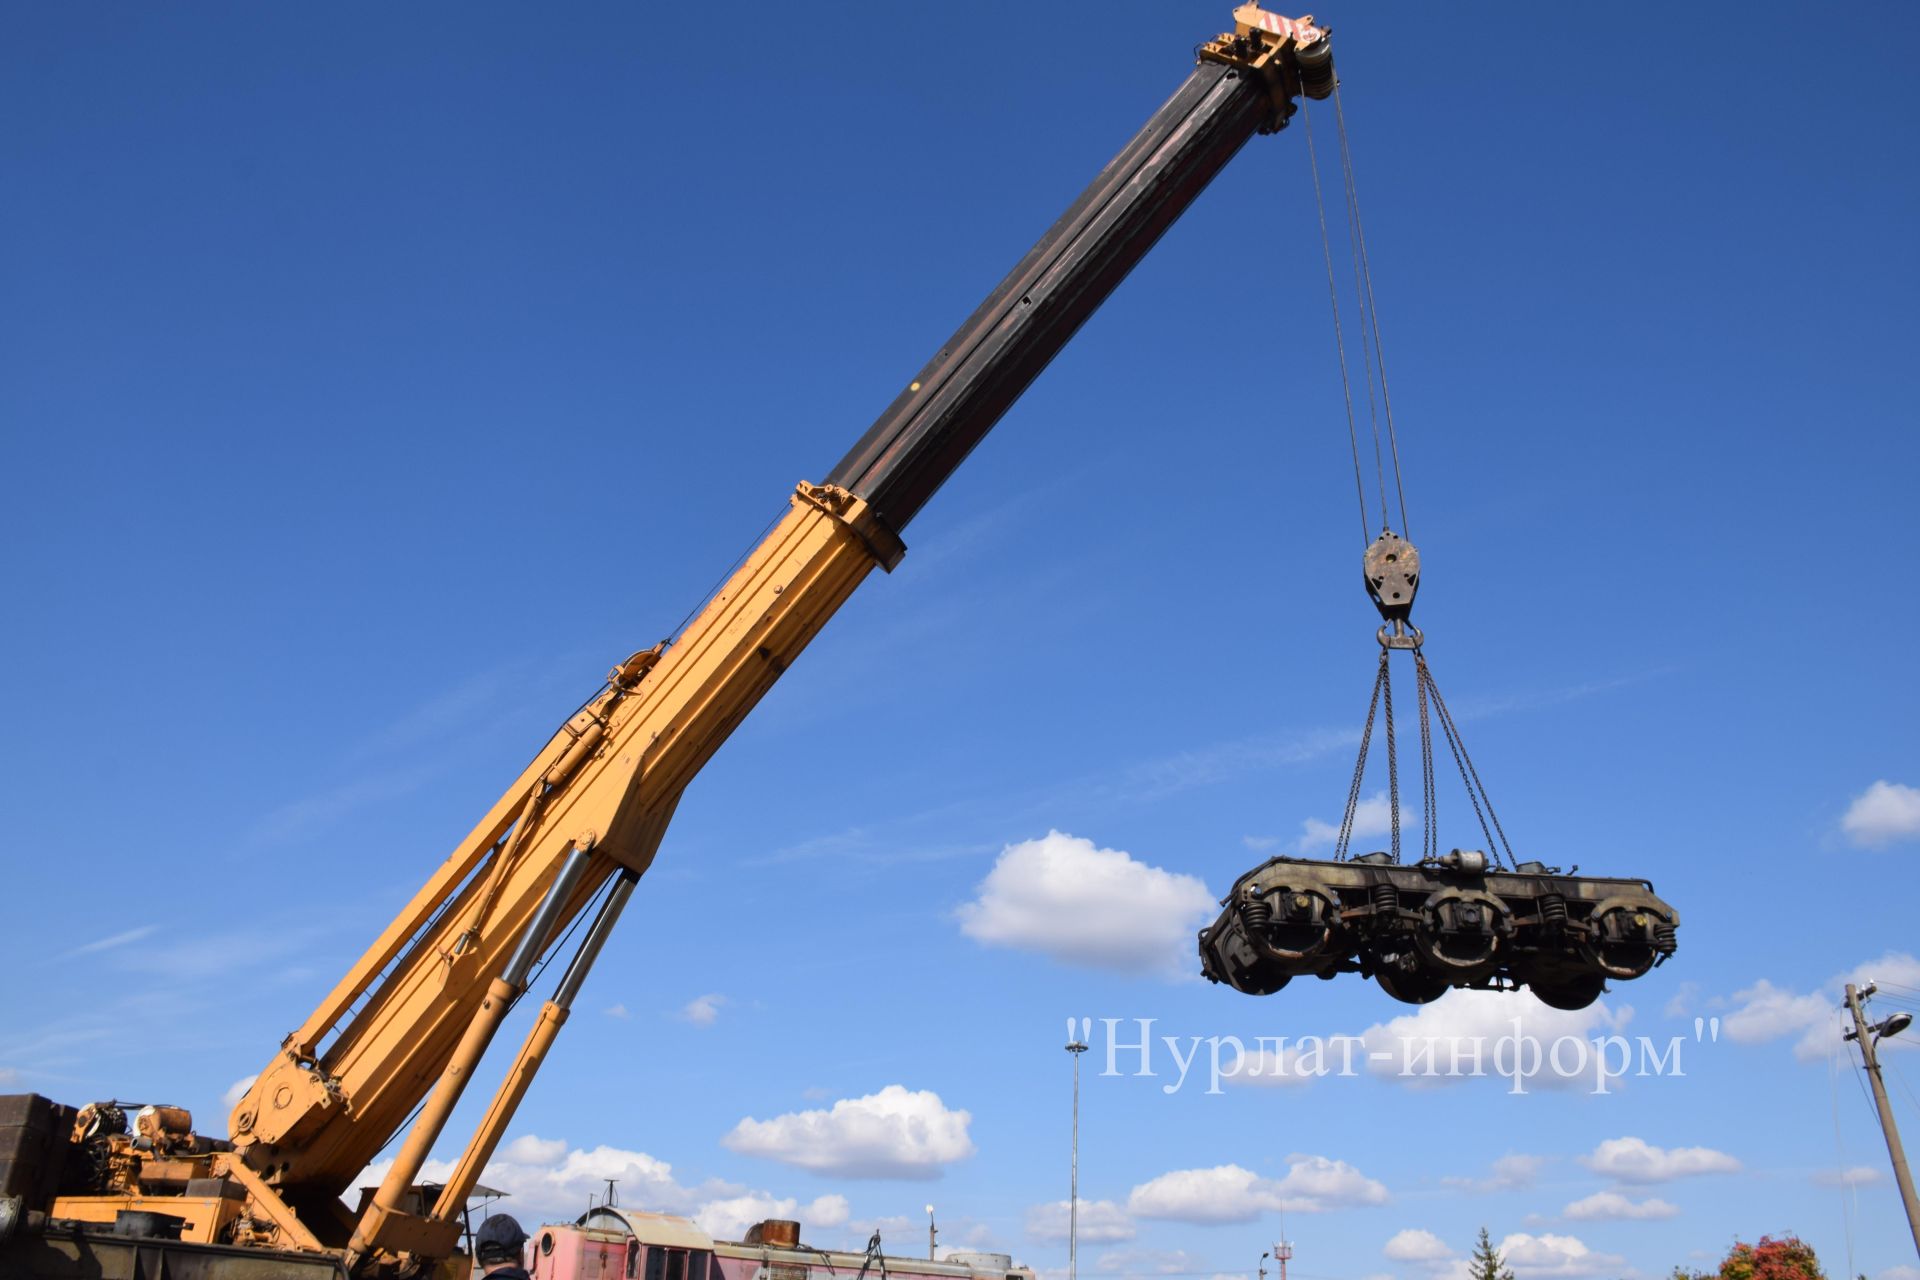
[951, 404]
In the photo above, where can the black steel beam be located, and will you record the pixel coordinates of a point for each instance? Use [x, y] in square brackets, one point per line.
[982, 369]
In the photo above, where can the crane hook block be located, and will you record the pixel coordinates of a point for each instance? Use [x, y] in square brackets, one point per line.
[1392, 566]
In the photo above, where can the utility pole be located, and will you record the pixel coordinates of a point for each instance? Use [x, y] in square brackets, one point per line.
[1868, 1036]
[1075, 1047]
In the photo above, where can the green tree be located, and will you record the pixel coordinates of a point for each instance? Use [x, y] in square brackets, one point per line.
[1487, 1264]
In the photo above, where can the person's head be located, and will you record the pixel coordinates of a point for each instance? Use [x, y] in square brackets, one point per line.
[499, 1240]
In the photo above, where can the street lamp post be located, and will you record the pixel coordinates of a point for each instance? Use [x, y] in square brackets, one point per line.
[933, 1236]
[1075, 1047]
[1869, 1038]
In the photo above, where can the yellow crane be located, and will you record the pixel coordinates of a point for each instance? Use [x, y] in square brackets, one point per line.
[403, 1031]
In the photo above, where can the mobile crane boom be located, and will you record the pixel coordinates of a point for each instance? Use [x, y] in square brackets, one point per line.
[408, 1023]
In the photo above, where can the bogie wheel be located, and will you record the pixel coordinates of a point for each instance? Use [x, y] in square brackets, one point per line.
[1572, 993]
[1416, 987]
[1262, 980]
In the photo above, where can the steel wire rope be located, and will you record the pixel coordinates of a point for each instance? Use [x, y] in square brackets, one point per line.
[1468, 773]
[1429, 797]
[1860, 1080]
[1339, 336]
[1382, 684]
[1886, 1069]
[1393, 756]
[1360, 766]
[679, 627]
[1372, 309]
[1366, 348]
[1848, 1206]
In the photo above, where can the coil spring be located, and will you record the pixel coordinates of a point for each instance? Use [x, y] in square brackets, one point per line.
[1256, 913]
[1666, 939]
[1385, 897]
[1553, 910]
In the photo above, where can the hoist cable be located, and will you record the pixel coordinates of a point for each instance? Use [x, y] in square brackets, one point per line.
[1359, 767]
[1469, 773]
[1846, 1187]
[1373, 311]
[1339, 338]
[1459, 762]
[1429, 798]
[1366, 345]
[1393, 755]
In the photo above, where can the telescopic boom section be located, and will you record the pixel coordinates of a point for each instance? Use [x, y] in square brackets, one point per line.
[406, 1027]
[1244, 84]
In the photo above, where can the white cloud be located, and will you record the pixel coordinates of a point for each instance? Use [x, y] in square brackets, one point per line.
[729, 1218]
[1531, 1257]
[1267, 1069]
[1896, 967]
[1511, 1172]
[1372, 817]
[1441, 1042]
[1555, 1256]
[1635, 1160]
[616, 1011]
[549, 1180]
[702, 1011]
[1899, 1272]
[1885, 813]
[1063, 897]
[530, 1148]
[1611, 1206]
[1764, 1012]
[111, 942]
[1230, 1193]
[1101, 1222]
[238, 1090]
[1416, 1245]
[1685, 998]
[895, 1133]
[1859, 1175]
[1814, 1019]
[1147, 1262]
[1315, 1183]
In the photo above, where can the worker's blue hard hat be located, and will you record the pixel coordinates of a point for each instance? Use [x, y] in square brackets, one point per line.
[499, 1239]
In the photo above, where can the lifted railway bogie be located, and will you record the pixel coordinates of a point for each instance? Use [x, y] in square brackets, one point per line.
[1446, 922]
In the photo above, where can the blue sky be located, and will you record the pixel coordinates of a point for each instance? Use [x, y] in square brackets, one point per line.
[372, 381]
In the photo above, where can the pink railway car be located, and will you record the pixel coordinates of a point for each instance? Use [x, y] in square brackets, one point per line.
[625, 1244]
